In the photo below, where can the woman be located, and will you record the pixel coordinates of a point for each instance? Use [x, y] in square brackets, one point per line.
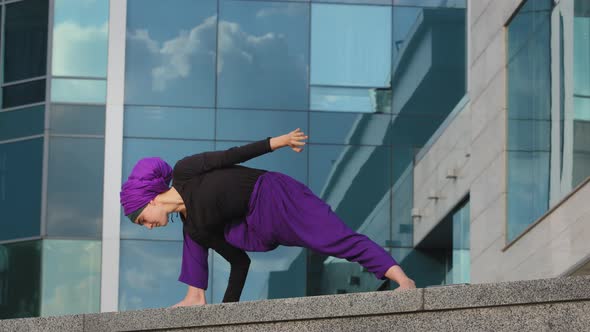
[232, 209]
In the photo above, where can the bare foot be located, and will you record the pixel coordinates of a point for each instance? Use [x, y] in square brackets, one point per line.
[187, 303]
[406, 284]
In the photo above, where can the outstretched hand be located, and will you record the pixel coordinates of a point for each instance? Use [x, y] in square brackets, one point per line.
[295, 139]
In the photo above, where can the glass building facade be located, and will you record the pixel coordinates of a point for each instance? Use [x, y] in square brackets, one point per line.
[369, 81]
[548, 68]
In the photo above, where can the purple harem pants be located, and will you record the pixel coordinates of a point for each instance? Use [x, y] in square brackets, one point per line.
[283, 211]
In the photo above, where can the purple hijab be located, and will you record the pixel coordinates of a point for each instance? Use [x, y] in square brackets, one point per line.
[149, 178]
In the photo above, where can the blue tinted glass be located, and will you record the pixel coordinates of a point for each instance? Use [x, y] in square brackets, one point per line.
[432, 3]
[25, 40]
[403, 158]
[23, 122]
[350, 99]
[78, 91]
[171, 151]
[77, 119]
[429, 59]
[168, 122]
[532, 18]
[80, 33]
[256, 125]
[353, 180]
[74, 187]
[529, 135]
[582, 108]
[269, 273]
[348, 128]
[361, 2]
[284, 160]
[350, 45]
[71, 277]
[170, 52]
[23, 94]
[413, 130]
[148, 274]
[263, 55]
[581, 166]
[20, 280]
[528, 189]
[582, 54]
[402, 203]
[20, 188]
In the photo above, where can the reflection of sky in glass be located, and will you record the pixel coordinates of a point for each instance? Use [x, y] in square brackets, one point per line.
[78, 91]
[168, 122]
[148, 276]
[348, 128]
[71, 277]
[80, 33]
[170, 151]
[261, 268]
[350, 45]
[170, 52]
[263, 57]
[74, 186]
[256, 125]
[432, 3]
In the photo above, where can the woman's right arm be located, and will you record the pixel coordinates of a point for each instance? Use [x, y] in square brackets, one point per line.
[203, 162]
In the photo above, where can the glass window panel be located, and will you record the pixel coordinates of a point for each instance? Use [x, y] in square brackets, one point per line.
[582, 53]
[23, 94]
[80, 38]
[429, 59]
[148, 274]
[284, 160]
[269, 273]
[78, 91]
[348, 128]
[20, 274]
[25, 40]
[263, 55]
[20, 188]
[168, 122]
[75, 187]
[256, 125]
[432, 3]
[350, 45]
[350, 99]
[71, 277]
[581, 158]
[402, 203]
[352, 179]
[531, 19]
[22, 123]
[529, 135]
[528, 189]
[170, 52]
[413, 130]
[171, 151]
[77, 119]
[529, 115]
[582, 108]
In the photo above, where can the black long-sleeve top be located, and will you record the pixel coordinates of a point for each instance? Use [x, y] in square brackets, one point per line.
[215, 192]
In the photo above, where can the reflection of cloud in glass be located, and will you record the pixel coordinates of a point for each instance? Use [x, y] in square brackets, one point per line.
[175, 54]
[281, 9]
[80, 50]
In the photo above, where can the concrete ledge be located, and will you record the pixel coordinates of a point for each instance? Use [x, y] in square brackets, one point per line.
[560, 303]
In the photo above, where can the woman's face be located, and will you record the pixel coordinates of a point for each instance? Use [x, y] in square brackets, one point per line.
[152, 216]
